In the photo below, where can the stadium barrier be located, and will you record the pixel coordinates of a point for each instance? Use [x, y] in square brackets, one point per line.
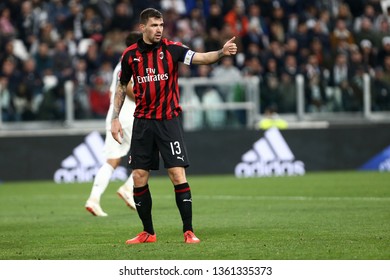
[221, 103]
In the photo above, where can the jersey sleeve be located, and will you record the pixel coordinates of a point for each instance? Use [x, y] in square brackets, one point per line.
[126, 71]
[181, 53]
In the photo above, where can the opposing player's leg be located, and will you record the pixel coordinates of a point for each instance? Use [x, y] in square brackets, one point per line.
[100, 184]
[126, 192]
[113, 152]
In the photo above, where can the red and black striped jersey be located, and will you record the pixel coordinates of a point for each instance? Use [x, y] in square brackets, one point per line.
[154, 69]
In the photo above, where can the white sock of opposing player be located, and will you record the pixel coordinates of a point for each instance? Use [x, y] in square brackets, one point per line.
[129, 184]
[101, 181]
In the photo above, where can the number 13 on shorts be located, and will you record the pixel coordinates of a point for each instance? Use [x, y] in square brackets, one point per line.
[175, 148]
[177, 151]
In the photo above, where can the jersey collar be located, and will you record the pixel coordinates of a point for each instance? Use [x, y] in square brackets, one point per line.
[143, 47]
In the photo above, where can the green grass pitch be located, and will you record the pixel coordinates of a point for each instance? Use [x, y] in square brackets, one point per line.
[318, 216]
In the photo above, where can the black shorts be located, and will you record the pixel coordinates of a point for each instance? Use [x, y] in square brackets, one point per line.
[154, 137]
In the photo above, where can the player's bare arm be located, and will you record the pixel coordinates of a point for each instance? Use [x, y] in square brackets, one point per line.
[230, 48]
[116, 127]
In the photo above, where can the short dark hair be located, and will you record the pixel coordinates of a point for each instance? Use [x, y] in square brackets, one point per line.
[132, 37]
[149, 13]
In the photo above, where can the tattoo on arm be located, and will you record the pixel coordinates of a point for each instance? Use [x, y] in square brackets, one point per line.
[120, 96]
[220, 53]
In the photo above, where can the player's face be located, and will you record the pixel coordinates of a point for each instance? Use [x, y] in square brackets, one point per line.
[153, 30]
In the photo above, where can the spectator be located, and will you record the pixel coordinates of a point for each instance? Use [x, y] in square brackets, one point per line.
[352, 98]
[386, 68]
[22, 103]
[81, 90]
[344, 13]
[369, 13]
[109, 54]
[384, 50]
[122, 19]
[212, 40]
[278, 15]
[237, 19]
[302, 37]
[92, 24]
[367, 32]
[10, 72]
[287, 102]
[319, 34]
[227, 71]
[52, 106]
[210, 96]
[33, 81]
[340, 35]
[384, 30]
[290, 66]
[340, 76]
[215, 18]
[380, 90]
[8, 52]
[276, 52]
[57, 13]
[270, 119]
[257, 30]
[170, 23]
[253, 51]
[192, 116]
[48, 34]
[62, 62]
[368, 56]
[99, 98]
[177, 5]
[270, 92]
[197, 22]
[291, 47]
[5, 100]
[27, 24]
[324, 21]
[252, 66]
[93, 59]
[70, 42]
[43, 59]
[73, 21]
[315, 100]
[277, 32]
[323, 55]
[7, 29]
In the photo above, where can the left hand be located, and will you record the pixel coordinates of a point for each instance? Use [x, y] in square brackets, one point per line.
[230, 48]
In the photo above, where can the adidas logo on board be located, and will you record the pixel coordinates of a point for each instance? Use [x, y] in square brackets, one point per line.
[270, 156]
[85, 162]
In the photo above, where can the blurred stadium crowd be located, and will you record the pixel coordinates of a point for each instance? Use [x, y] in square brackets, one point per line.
[46, 43]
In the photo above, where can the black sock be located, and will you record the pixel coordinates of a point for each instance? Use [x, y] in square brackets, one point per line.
[184, 203]
[143, 202]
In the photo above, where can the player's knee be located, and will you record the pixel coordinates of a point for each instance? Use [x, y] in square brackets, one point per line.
[140, 177]
[114, 162]
[177, 175]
